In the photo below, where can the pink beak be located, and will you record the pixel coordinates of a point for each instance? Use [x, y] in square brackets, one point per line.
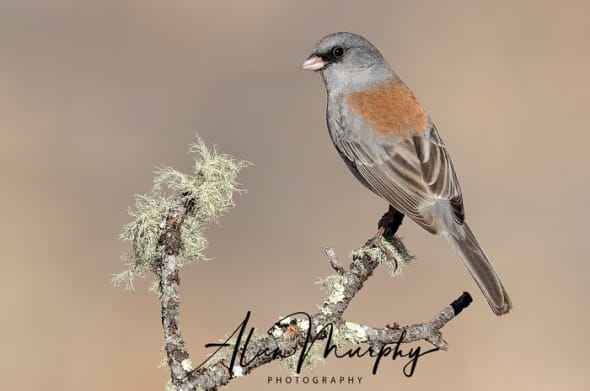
[313, 63]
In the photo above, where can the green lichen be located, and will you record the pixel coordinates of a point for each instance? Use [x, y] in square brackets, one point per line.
[335, 285]
[353, 332]
[212, 184]
[170, 387]
[401, 256]
[187, 364]
[312, 359]
[400, 253]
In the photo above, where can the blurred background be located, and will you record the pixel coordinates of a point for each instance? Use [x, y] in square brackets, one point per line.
[95, 94]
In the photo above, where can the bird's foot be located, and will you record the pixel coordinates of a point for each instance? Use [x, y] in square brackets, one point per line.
[377, 242]
[373, 242]
[388, 226]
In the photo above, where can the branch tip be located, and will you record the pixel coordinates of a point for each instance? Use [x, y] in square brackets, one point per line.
[334, 262]
[462, 302]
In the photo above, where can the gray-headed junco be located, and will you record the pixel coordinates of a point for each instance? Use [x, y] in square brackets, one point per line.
[392, 146]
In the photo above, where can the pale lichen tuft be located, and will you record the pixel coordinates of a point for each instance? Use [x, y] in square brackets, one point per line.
[401, 256]
[311, 360]
[211, 185]
[170, 387]
[354, 332]
[186, 364]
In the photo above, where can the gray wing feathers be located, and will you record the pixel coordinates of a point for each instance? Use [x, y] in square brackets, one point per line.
[413, 174]
[438, 171]
[411, 198]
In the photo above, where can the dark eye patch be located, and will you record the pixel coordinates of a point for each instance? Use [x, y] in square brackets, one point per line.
[335, 54]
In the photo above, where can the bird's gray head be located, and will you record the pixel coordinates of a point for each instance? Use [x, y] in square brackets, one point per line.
[347, 61]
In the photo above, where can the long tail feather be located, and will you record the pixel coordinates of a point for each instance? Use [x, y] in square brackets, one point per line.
[482, 271]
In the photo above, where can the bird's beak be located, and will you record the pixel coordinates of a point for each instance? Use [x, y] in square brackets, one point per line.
[313, 63]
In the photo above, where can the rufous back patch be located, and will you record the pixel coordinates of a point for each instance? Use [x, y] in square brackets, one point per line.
[391, 108]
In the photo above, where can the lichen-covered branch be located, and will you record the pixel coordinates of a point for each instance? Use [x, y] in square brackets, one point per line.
[166, 268]
[428, 331]
[292, 334]
[166, 234]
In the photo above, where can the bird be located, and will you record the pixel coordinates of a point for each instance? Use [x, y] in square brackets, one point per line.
[393, 148]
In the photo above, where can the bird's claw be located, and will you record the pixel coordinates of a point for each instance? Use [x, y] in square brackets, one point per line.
[377, 242]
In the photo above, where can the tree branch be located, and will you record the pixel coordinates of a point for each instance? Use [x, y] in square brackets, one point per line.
[166, 234]
[286, 338]
[167, 272]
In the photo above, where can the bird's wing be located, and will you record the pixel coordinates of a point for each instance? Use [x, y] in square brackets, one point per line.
[438, 171]
[413, 173]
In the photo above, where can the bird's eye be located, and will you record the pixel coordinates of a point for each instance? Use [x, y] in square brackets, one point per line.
[337, 51]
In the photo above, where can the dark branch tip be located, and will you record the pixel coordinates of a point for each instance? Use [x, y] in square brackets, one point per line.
[462, 302]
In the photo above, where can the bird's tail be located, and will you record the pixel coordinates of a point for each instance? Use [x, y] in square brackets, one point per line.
[478, 264]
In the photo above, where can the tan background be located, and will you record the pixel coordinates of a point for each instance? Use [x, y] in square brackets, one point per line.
[95, 94]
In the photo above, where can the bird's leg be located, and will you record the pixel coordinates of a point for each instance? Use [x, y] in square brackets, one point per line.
[388, 226]
[391, 220]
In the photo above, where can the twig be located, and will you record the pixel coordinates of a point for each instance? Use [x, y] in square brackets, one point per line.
[334, 262]
[429, 331]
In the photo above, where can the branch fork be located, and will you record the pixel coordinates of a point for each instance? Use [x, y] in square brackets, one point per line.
[287, 338]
